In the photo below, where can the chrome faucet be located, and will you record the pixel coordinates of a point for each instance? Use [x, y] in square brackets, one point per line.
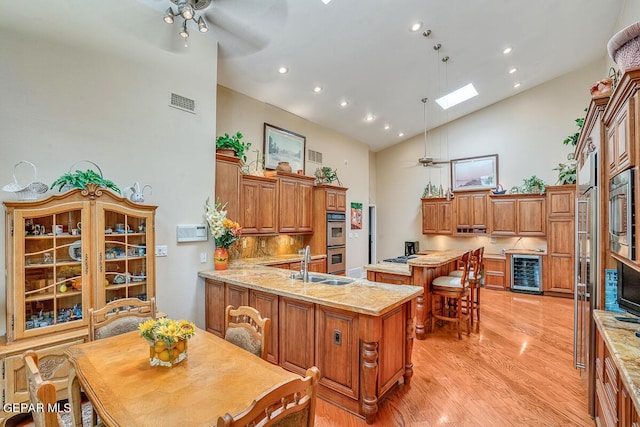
[304, 265]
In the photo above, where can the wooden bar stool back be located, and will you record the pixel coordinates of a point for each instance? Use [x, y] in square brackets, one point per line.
[246, 328]
[447, 295]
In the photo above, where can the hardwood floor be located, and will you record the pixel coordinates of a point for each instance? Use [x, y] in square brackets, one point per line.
[517, 371]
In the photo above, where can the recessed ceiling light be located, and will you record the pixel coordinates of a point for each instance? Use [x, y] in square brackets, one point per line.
[326, 1]
[317, 89]
[283, 70]
[401, 134]
[370, 117]
[517, 85]
[415, 27]
[506, 51]
[386, 127]
[343, 103]
[513, 70]
[457, 96]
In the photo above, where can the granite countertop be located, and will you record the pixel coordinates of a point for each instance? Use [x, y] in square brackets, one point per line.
[436, 258]
[270, 260]
[526, 251]
[389, 267]
[624, 346]
[361, 296]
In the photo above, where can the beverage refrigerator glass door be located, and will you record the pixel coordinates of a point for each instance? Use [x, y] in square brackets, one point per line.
[621, 215]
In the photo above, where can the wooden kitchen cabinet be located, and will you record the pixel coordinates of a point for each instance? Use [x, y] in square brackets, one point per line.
[297, 332]
[623, 128]
[437, 214]
[471, 212]
[228, 181]
[267, 304]
[517, 215]
[318, 265]
[561, 201]
[338, 350]
[395, 279]
[336, 200]
[295, 203]
[495, 272]
[258, 205]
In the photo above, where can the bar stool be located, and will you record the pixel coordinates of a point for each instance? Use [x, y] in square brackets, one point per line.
[475, 275]
[449, 292]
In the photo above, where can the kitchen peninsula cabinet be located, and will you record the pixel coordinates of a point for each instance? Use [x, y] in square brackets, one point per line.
[258, 205]
[517, 215]
[360, 335]
[295, 203]
[495, 272]
[437, 214]
[471, 212]
[65, 254]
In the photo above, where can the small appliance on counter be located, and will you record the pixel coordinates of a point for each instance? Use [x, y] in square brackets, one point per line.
[411, 248]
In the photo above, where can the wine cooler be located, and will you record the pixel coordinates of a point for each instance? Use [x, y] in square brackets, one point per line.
[526, 273]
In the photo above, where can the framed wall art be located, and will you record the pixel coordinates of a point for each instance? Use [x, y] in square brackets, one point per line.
[356, 216]
[474, 173]
[281, 145]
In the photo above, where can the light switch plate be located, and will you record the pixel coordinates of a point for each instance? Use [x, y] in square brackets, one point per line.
[161, 250]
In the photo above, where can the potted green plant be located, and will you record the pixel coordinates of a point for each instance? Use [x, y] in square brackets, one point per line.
[533, 184]
[566, 173]
[235, 143]
[80, 179]
[573, 139]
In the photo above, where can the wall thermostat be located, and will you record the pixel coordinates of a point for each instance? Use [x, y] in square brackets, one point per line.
[192, 233]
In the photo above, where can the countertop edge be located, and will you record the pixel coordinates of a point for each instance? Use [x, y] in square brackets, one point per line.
[415, 291]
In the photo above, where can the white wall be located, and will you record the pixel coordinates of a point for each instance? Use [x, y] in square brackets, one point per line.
[61, 104]
[237, 112]
[526, 131]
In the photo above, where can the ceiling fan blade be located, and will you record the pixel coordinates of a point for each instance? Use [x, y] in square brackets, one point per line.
[243, 27]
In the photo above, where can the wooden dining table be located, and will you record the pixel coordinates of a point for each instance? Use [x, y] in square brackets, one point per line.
[216, 377]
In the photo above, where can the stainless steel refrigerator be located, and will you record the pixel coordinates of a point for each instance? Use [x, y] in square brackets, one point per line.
[586, 272]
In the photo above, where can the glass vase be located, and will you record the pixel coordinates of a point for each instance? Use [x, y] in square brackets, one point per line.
[161, 354]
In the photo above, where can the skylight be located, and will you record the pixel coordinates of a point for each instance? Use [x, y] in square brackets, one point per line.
[457, 96]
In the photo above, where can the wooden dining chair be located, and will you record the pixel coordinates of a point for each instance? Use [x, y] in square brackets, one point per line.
[290, 404]
[246, 328]
[119, 316]
[41, 393]
[447, 295]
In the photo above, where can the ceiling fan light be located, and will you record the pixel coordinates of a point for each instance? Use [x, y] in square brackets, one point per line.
[168, 16]
[187, 11]
[183, 32]
[202, 26]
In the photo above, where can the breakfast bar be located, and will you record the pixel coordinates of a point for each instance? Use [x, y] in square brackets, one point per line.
[418, 271]
[358, 333]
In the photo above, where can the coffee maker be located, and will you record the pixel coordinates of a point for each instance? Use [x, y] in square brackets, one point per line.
[411, 248]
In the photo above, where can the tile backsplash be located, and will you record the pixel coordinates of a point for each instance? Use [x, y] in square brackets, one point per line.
[253, 247]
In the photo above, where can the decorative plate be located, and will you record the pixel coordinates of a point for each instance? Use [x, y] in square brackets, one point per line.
[75, 250]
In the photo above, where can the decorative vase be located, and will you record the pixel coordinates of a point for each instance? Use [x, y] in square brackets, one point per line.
[162, 355]
[220, 258]
[284, 167]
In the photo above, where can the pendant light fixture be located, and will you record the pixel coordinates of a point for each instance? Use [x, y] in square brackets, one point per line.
[187, 11]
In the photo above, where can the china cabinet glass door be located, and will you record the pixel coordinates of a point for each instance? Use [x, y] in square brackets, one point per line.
[51, 269]
[124, 269]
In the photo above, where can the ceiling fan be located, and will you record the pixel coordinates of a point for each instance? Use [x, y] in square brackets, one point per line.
[241, 27]
[426, 160]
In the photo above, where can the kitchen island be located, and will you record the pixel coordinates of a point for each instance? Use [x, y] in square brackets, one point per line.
[418, 271]
[360, 335]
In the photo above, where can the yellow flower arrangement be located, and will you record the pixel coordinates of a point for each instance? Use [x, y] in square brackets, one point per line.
[167, 330]
[167, 340]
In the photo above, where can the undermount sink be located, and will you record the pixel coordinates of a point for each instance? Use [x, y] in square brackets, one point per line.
[326, 281]
[336, 282]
